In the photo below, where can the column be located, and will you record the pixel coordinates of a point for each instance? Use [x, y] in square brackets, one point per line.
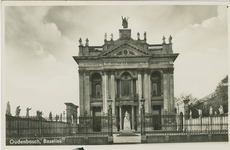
[112, 91]
[132, 88]
[150, 97]
[81, 91]
[146, 91]
[171, 90]
[165, 84]
[120, 88]
[120, 107]
[132, 117]
[104, 109]
[90, 88]
[139, 88]
[106, 91]
[86, 93]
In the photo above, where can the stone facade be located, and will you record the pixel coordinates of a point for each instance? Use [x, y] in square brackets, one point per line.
[125, 70]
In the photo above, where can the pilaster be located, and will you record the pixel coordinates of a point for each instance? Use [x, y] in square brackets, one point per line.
[86, 93]
[139, 71]
[165, 86]
[171, 82]
[146, 90]
[112, 90]
[81, 91]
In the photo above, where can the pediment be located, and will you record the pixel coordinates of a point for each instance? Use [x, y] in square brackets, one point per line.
[125, 50]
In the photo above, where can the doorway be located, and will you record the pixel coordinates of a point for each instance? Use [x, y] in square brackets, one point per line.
[156, 117]
[97, 119]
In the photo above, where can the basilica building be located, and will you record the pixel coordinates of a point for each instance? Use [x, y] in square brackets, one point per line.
[126, 70]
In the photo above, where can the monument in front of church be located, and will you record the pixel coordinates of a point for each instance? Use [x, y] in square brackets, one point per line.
[126, 69]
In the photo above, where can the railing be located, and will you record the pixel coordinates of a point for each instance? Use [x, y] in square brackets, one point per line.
[81, 126]
[35, 127]
[176, 124]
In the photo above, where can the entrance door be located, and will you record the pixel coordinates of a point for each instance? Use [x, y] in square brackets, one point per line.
[128, 109]
[97, 119]
[157, 117]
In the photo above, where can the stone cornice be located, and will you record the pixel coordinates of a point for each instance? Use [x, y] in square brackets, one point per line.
[76, 58]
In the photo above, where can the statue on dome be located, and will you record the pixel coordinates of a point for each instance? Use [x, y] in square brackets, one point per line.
[125, 22]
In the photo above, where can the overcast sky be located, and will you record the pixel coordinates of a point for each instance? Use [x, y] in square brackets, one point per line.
[40, 41]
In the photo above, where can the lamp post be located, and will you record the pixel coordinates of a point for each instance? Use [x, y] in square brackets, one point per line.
[142, 115]
[110, 121]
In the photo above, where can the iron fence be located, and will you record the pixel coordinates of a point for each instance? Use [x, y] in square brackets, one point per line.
[170, 124]
[44, 127]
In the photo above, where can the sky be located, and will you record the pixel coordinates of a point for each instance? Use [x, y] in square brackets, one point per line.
[39, 71]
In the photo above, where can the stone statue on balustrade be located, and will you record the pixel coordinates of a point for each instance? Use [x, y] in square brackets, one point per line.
[190, 114]
[210, 111]
[27, 112]
[60, 116]
[50, 116]
[221, 110]
[39, 114]
[199, 112]
[8, 110]
[57, 118]
[17, 112]
[127, 122]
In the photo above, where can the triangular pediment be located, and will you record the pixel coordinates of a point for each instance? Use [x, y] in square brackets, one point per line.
[125, 49]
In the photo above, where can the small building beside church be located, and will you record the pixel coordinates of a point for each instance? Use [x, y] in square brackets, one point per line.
[126, 70]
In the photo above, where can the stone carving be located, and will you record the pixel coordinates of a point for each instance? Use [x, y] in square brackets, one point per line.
[125, 22]
[17, 112]
[8, 110]
[111, 36]
[60, 116]
[138, 35]
[190, 114]
[87, 42]
[105, 36]
[57, 118]
[144, 35]
[126, 121]
[170, 39]
[163, 39]
[210, 111]
[221, 110]
[39, 114]
[27, 111]
[199, 112]
[125, 53]
[80, 41]
[50, 116]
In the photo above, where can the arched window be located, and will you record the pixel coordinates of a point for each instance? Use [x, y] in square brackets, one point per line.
[154, 91]
[125, 84]
[96, 85]
[156, 83]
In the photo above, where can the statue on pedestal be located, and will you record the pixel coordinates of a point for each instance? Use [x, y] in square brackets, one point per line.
[199, 112]
[27, 112]
[17, 113]
[125, 22]
[221, 110]
[127, 121]
[190, 114]
[50, 116]
[61, 117]
[210, 111]
[8, 111]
